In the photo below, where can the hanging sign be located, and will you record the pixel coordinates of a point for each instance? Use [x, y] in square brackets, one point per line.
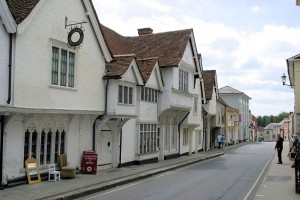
[75, 37]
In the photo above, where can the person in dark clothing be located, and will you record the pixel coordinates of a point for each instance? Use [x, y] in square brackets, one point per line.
[279, 147]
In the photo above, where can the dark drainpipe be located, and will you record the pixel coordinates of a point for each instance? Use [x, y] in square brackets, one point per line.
[9, 68]
[179, 129]
[1, 151]
[99, 117]
[120, 154]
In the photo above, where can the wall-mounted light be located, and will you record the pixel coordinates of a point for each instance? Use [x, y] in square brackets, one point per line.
[283, 80]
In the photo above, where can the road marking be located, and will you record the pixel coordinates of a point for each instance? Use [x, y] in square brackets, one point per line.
[259, 195]
[253, 186]
[147, 179]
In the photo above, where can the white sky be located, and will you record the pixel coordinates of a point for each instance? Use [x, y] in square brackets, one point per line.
[246, 41]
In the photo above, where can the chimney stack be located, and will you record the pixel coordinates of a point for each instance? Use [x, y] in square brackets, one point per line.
[145, 31]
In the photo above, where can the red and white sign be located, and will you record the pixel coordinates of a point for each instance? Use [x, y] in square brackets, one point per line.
[89, 162]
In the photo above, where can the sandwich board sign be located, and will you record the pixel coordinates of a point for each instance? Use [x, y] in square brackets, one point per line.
[33, 171]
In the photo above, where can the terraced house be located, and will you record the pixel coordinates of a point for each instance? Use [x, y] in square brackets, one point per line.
[70, 85]
[168, 122]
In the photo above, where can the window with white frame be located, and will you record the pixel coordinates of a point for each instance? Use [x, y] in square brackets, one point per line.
[183, 80]
[63, 67]
[195, 105]
[148, 138]
[185, 139]
[149, 94]
[125, 95]
[44, 146]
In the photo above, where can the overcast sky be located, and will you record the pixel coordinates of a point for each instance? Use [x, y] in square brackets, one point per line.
[246, 41]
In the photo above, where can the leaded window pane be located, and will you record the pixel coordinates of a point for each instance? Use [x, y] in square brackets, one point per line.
[26, 146]
[71, 69]
[142, 93]
[49, 141]
[54, 70]
[42, 151]
[120, 99]
[130, 95]
[125, 95]
[63, 68]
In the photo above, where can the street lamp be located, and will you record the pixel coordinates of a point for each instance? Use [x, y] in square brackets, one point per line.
[283, 80]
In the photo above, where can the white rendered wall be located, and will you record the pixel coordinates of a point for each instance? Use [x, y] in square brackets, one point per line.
[32, 76]
[78, 139]
[129, 141]
[4, 60]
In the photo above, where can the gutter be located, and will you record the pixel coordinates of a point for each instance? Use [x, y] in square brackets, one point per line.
[179, 130]
[9, 68]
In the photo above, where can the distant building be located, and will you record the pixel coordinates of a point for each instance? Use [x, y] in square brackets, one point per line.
[240, 101]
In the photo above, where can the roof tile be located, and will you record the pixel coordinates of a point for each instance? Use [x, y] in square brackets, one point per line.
[20, 9]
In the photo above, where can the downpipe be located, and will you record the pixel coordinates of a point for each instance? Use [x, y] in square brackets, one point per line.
[179, 130]
[99, 117]
[9, 68]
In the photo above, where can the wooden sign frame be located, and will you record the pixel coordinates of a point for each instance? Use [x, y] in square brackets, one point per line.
[32, 171]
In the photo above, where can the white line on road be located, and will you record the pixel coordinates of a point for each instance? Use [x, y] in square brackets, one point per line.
[253, 186]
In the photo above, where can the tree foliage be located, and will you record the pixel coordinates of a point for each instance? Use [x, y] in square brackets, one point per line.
[265, 120]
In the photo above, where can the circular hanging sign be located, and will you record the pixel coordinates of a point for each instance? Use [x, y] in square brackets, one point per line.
[75, 37]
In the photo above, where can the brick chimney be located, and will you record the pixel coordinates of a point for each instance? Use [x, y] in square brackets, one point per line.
[145, 31]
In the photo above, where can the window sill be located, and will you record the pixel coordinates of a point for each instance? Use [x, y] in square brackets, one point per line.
[123, 104]
[183, 92]
[62, 88]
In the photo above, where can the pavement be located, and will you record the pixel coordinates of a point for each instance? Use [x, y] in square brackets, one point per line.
[275, 182]
[279, 179]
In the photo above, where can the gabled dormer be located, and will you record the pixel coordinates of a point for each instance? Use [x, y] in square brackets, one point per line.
[211, 91]
[123, 77]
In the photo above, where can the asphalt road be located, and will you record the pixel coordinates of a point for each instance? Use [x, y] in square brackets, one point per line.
[229, 177]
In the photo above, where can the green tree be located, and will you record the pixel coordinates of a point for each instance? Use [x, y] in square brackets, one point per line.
[266, 120]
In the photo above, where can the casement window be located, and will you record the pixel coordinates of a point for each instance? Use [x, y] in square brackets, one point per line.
[183, 80]
[185, 139]
[148, 138]
[195, 110]
[125, 95]
[63, 67]
[44, 146]
[149, 94]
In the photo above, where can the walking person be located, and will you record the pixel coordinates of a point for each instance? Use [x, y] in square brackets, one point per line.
[223, 140]
[219, 140]
[279, 147]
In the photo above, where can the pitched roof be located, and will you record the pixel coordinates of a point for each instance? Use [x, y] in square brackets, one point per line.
[119, 65]
[209, 82]
[229, 90]
[20, 9]
[160, 45]
[146, 67]
[271, 126]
